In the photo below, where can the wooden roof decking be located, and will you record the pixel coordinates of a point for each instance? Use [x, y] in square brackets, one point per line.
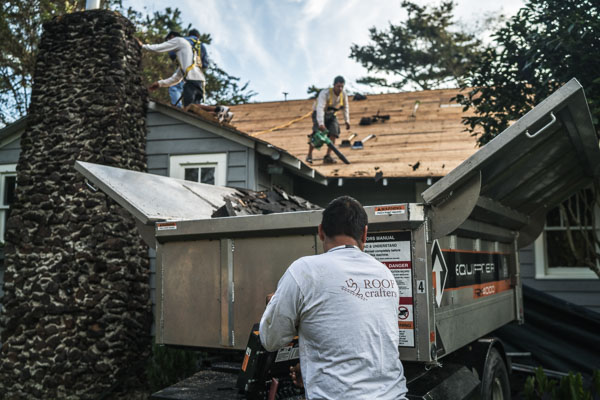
[434, 139]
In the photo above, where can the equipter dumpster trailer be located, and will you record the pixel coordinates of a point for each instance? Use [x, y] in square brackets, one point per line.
[454, 256]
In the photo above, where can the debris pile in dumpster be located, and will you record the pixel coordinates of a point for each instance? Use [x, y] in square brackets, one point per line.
[249, 202]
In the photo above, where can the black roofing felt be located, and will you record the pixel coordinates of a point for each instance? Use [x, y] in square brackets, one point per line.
[560, 336]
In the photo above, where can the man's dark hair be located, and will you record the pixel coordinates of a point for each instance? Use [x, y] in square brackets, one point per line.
[172, 34]
[344, 216]
[339, 79]
[194, 32]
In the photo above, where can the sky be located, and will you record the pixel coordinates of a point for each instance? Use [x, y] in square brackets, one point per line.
[288, 45]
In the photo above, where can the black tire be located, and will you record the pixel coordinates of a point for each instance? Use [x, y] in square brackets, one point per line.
[495, 384]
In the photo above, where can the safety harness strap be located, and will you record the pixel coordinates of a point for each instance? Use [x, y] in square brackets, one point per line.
[197, 57]
[330, 101]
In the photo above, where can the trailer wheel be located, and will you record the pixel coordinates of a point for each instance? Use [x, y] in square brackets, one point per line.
[495, 384]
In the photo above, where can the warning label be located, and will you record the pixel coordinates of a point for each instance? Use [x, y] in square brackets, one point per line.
[386, 210]
[393, 250]
[166, 226]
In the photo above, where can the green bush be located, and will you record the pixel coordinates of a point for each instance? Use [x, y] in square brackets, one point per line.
[569, 387]
[168, 366]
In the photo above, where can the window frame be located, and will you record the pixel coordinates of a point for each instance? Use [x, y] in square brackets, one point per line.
[178, 164]
[5, 170]
[543, 271]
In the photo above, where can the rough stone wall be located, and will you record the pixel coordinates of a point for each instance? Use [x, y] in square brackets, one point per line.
[76, 314]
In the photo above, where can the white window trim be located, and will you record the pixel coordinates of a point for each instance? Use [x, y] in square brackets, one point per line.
[543, 272]
[5, 169]
[177, 165]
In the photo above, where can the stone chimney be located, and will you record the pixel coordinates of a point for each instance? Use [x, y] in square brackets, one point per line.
[76, 317]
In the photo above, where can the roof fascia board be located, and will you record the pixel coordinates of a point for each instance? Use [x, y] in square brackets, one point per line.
[234, 137]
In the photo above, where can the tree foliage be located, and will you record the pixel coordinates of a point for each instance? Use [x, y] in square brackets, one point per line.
[21, 29]
[425, 51]
[546, 44]
[313, 91]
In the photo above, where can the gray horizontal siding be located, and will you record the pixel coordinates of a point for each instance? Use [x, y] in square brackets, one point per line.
[157, 161]
[527, 259]
[9, 154]
[207, 145]
[583, 292]
[159, 171]
[154, 118]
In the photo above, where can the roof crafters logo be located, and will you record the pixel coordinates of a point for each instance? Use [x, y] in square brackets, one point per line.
[371, 288]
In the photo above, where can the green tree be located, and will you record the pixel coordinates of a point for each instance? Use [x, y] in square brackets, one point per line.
[426, 51]
[313, 91]
[546, 44]
[21, 29]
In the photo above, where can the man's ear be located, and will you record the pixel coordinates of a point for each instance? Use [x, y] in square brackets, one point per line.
[363, 238]
[321, 233]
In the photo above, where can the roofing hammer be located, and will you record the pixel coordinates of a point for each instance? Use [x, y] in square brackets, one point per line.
[359, 144]
[346, 142]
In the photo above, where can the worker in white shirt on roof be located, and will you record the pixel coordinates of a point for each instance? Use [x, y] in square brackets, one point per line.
[328, 103]
[190, 65]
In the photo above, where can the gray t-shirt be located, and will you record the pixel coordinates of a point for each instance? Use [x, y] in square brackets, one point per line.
[343, 305]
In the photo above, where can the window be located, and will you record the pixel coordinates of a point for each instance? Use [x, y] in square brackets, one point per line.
[204, 168]
[554, 257]
[8, 184]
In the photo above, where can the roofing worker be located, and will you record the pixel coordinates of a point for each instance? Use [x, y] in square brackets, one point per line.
[348, 337]
[189, 70]
[329, 101]
[175, 91]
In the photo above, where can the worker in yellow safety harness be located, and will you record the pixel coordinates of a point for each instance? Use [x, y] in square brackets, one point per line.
[328, 103]
[190, 70]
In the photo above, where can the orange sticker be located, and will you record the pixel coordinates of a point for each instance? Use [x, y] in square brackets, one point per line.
[246, 358]
[405, 325]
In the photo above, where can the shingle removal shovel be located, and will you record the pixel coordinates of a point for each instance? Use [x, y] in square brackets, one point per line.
[359, 144]
[347, 142]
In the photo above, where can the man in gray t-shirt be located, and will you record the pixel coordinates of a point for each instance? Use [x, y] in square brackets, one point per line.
[343, 306]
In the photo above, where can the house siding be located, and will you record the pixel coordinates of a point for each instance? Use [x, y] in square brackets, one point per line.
[583, 292]
[9, 154]
[168, 137]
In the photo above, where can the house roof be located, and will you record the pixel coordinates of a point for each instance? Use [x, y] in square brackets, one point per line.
[428, 142]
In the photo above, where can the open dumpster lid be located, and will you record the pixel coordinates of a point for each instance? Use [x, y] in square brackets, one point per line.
[152, 198]
[511, 182]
